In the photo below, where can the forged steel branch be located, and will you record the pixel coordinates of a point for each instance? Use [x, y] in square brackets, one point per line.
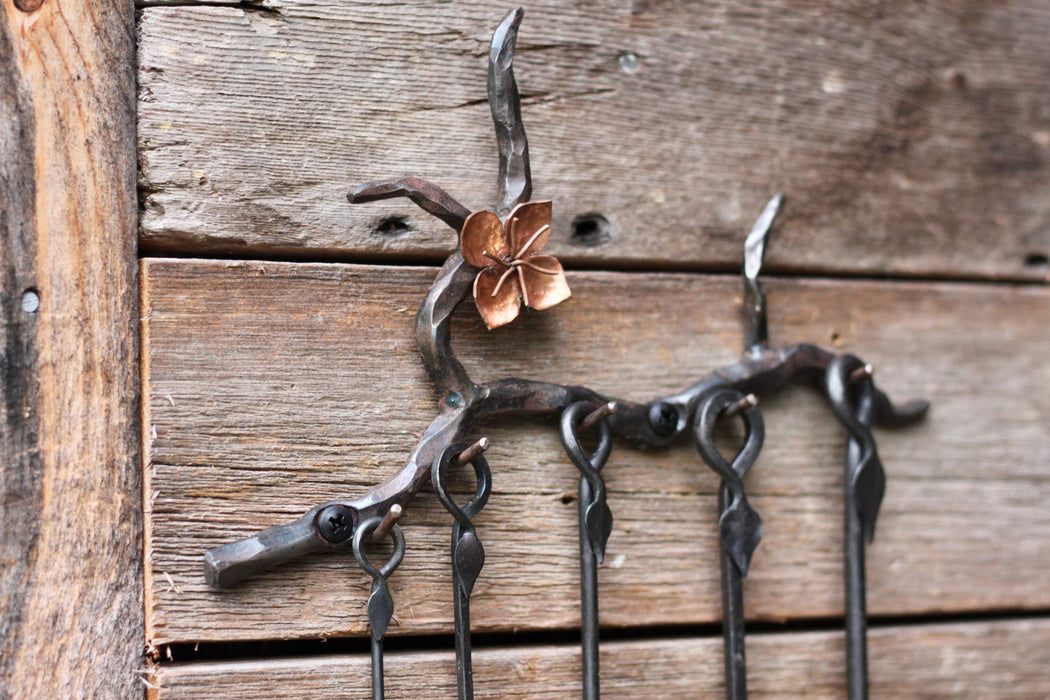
[463, 403]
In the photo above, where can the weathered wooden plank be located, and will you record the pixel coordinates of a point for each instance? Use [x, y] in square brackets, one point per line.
[273, 387]
[973, 660]
[909, 139]
[71, 619]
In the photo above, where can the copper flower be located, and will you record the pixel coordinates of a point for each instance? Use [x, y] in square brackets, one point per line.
[512, 272]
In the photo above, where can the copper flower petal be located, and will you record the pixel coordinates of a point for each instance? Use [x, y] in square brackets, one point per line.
[503, 308]
[545, 291]
[482, 233]
[531, 216]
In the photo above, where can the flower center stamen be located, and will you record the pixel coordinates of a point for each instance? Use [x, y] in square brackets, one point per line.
[510, 264]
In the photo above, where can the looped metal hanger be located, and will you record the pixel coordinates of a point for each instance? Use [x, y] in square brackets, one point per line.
[380, 603]
[467, 552]
[468, 555]
[595, 522]
[849, 386]
[740, 527]
[596, 517]
[856, 402]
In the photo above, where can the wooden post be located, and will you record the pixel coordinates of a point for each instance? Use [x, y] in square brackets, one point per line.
[71, 620]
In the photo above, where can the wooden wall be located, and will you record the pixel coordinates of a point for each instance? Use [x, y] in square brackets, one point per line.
[278, 368]
[912, 143]
[71, 612]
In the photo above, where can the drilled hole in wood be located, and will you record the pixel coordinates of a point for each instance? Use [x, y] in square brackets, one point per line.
[1036, 260]
[392, 227]
[590, 230]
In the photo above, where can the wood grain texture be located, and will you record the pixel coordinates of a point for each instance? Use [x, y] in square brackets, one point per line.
[910, 139]
[71, 614]
[273, 387]
[973, 660]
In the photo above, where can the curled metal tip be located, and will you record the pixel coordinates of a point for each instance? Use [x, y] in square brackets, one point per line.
[598, 415]
[515, 177]
[473, 452]
[755, 245]
[502, 45]
[756, 333]
[387, 523]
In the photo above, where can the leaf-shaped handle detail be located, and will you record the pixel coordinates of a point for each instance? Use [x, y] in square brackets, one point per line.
[469, 559]
[740, 528]
[380, 608]
[599, 519]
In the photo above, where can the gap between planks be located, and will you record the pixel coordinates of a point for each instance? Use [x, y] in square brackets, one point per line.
[974, 660]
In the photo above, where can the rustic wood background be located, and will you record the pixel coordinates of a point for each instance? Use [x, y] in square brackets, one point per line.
[71, 613]
[911, 142]
[278, 370]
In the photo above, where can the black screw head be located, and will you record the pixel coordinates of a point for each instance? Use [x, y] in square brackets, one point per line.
[336, 524]
[663, 419]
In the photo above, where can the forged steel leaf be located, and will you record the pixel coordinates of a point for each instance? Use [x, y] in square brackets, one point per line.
[380, 609]
[599, 519]
[869, 487]
[470, 557]
[741, 531]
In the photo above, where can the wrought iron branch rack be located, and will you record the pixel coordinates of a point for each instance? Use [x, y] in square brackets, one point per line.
[763, 369]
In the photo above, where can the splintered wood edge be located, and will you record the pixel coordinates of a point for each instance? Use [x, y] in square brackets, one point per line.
[1003, 659]
[263, 376]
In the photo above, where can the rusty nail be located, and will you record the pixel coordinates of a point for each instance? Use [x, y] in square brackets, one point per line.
[468, 455]
[384, 527]
[861, 373]
[598, 415]
[749, 401]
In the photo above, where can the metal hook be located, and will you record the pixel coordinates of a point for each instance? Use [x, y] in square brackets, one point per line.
[380, 603]
[855, 401]
[740, 527]
[468, 555]
[867, 478]
[595, 512]
[756, 331]
[595, 522]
